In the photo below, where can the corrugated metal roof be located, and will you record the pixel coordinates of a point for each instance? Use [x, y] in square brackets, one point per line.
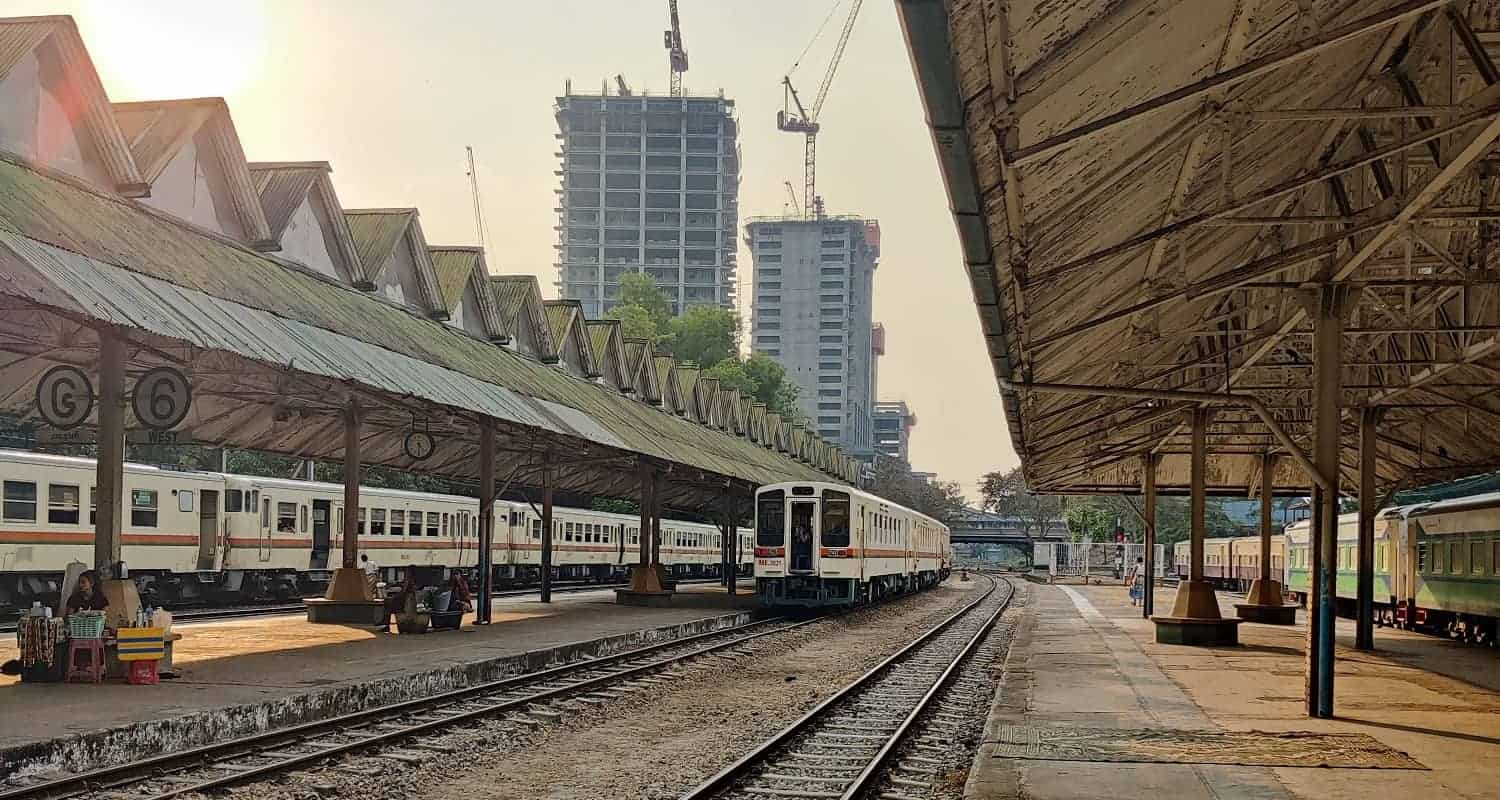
[519, 300]
[376, 233]
[604, 335]
[109, 259]
[156, 131]
[454, 269]
[19, 39]
[282, 190]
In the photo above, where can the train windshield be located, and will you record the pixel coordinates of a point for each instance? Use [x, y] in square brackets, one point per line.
[835, 527]
[770, 519]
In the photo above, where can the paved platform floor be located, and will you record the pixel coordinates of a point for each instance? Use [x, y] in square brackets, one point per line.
[253, 660]
[1084, 658]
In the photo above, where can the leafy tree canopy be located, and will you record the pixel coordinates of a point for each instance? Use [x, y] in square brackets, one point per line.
[941, 500]
[705, 335]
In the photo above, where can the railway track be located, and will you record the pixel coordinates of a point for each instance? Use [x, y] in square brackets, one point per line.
[261, 756]
[842, 748]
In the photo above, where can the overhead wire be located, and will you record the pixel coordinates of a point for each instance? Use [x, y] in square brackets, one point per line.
[816, 35]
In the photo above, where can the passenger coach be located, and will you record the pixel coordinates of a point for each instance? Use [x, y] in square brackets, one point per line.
[826, 544]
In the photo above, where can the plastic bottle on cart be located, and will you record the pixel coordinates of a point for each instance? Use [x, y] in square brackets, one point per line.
[36, 608]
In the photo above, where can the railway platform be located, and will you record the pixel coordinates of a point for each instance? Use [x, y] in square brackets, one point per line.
[242, 676]
[1092, 707]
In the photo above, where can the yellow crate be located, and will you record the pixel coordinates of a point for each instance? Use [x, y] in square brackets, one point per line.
[141, 644]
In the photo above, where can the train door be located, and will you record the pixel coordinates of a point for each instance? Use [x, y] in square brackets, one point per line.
[322, 511]
[208, 529]
[263, 540]
[803, 535]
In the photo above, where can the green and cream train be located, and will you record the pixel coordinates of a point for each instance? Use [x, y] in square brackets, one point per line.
[1437, 566]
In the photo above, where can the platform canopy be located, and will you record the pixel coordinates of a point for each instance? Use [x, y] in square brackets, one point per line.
[1152, 196]
[276, 353]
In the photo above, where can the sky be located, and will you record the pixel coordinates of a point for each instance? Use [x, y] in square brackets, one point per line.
[390, 92]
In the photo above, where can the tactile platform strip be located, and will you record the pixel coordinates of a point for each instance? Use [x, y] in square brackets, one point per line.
[1252, 749]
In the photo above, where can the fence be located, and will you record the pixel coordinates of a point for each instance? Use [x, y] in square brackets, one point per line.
[1092, 560]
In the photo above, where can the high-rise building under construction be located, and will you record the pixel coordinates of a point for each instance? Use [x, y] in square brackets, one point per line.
[814, 295]
[649, 184]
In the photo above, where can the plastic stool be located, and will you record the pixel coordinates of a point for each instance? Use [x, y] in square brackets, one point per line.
[142, 673]
[94, 648]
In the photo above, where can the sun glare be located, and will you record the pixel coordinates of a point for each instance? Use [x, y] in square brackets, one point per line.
[162, 49]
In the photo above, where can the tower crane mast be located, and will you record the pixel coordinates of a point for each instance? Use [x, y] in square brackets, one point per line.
[676, 53]
[795, 118]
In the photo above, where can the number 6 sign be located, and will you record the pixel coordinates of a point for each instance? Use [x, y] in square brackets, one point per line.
[162, 398]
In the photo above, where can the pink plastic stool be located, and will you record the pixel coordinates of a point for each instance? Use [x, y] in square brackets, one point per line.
[94, 648]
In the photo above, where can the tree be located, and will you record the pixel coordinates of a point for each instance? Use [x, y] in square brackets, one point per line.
[941, 500]
[639, 289]
[636, 323]
[731, 374]
[1006, 494]
[705, 335]
[772, 387]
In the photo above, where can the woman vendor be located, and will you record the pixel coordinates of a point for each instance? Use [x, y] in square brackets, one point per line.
[88, 596]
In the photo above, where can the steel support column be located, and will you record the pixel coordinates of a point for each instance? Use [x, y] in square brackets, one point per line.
[1267, 506]
[1327, 390]
[1148, 517]
[486, 522]
[1364, 620]
[726, 500]
[648, 494]
[546, 576]
[109, 470]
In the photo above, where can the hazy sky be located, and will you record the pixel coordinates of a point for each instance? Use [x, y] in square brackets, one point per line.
[390, 92]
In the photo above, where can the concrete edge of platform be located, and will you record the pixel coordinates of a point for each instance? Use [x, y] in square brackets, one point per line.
[990, 777]
[122, 744]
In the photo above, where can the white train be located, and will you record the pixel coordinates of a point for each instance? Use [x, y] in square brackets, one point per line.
[211, 536]
[826, 544]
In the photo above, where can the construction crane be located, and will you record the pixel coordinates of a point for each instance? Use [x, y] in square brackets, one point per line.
[791, 196]
[676, 53]
[800, 120]
[624, 87]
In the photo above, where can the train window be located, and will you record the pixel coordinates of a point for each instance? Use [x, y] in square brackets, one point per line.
[432, 523]
[254, 503]
[143, 508]
[20, 501]
[536, 529]
[1437, 558]
[1476, 558]
[1422, 557]
[302, 519]
[234, 502]
[362, 515]
[1454, 554]
[1380, 558]
[377, 522]
[286, 517]
[770, 519]
[62, 504]
[567, 531]
[184, 500]
[835, 522]
[1495, 557]
[445, 524]
[398, 522]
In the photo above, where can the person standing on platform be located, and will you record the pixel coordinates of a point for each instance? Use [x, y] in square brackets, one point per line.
[1136, 580]
[372, 571]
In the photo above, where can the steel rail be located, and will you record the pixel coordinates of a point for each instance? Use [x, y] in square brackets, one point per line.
[110, 778]
[726, 778]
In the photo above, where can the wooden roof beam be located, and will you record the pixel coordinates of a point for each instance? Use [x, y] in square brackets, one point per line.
[1250, 69]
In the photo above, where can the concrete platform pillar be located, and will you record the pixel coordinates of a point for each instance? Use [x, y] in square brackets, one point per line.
[349, 599]
[546, 566]
[1264, 603]
[1195, 618]
[645, 582]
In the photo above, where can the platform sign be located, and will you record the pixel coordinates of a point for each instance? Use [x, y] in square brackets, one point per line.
[64, 397]
[162, 398]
